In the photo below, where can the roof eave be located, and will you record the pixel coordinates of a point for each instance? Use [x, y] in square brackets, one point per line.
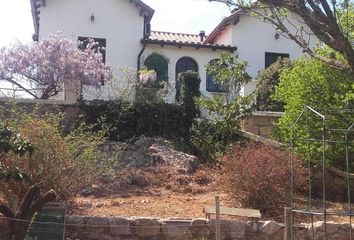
[223, 24]
[195, 45]
[35, 17]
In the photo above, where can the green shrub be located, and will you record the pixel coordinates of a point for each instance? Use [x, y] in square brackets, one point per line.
[268, 79]
[212, 136]
[123, 120]
[190, 90]
[258, 176]
[211, 139]
[64, 163]
[311, 83]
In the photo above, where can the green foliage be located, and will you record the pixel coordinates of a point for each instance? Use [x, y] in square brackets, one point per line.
[211, 139]
[190, 91]
[123, 120]
[59, 162]
[225, 111]
[268, 79]
[229, 71]
[11, 143]
[328, 91]
[159, 64]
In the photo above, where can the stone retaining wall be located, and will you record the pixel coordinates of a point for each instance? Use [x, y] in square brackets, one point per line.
[336, 184]
[260, 123]
[115, 228]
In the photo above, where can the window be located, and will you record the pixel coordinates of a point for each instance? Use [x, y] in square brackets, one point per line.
[100, 46]
[183, 65]
[271, 57]
[158, 63]
[212, 85]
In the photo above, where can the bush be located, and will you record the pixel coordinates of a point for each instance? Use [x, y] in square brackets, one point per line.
[312, 83]
[190, 90]
[210, 139]
[123, 120]
[62, 163]
[258, 176]
[213, 135]
[268, 79]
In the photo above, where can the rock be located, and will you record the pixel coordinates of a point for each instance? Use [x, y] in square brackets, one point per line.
[269, 227]
[91, 191]
[140, 180]
[145, 227]
[147, 152]
[177, 229]
[119, 226]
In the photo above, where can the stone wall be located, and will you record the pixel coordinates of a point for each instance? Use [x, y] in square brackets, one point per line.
[71, 111]
[115, 228]
[336, 184]
[261, 123]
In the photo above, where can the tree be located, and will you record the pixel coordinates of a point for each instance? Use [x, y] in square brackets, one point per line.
[331, 23]
[310, 82]
[268, 80]
[33, 200]
[42, 69]
[212, 136]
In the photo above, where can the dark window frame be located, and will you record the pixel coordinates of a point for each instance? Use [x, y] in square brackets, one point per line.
[272, 57]
[212, 86]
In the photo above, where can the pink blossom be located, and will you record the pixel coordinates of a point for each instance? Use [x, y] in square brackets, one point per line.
[50, 63]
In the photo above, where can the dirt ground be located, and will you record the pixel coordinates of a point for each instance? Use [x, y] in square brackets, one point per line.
[170, 194]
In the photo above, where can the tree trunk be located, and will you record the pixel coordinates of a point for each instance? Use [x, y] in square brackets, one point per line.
[32, 202]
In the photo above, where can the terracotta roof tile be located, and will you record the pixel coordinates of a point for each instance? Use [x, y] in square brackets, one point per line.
[184, 39]
[177, 37]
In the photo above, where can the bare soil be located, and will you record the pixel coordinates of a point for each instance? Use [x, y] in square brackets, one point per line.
[170, 193]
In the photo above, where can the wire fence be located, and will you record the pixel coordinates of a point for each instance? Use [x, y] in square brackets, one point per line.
[323, 138]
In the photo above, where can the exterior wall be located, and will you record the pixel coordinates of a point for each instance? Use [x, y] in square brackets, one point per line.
[118, 21]
[226, 37]
[173, 54]
[253, 38]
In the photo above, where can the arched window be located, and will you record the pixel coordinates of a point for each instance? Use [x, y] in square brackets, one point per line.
[212, 85]
[158, 63]
[183, 65]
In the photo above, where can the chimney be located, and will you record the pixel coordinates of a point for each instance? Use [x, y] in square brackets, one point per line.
[202, 35]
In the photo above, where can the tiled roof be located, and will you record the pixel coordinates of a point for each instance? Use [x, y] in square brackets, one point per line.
[224, 23]
[183, 39]
[177, 37]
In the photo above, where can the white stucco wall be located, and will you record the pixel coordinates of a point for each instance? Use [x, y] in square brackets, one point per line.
[226, 37]
[173, 54]
[254, 38]
[118, 21]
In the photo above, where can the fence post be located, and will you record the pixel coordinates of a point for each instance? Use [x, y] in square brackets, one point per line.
[287, 221]
[217, 213]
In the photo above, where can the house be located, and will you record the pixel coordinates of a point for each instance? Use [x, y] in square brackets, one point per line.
[123, 28]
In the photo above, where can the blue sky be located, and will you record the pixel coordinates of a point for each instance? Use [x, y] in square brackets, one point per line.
[189, 16]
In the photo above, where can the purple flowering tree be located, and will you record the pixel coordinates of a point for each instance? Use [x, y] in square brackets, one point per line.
[42, 69]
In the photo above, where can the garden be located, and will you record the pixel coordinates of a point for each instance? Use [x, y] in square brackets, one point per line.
[150, 158]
